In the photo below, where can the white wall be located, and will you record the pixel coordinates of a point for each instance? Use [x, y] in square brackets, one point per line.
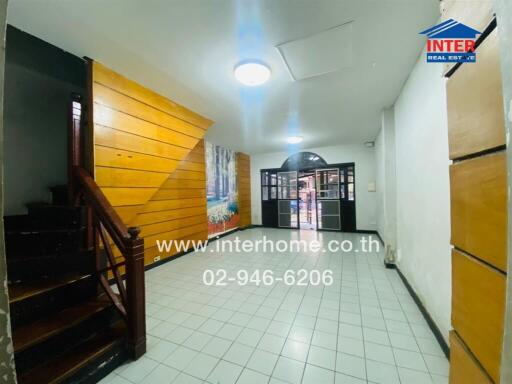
[423, 193]
[364, 159]
[385, 158]
[380, 181]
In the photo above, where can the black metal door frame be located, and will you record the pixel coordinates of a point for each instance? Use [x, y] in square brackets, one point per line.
[344, 202]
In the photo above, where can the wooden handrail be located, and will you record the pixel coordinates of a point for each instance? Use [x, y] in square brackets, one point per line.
[119, 233]
[131, 300]
[104, 223]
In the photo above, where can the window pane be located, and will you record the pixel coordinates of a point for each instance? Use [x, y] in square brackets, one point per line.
[264, 178]
[351, 192]
[350, 174]
[264, 193]
[327, 184]
[333, 176]
[342, 191]
[273, 193]
[287, 185]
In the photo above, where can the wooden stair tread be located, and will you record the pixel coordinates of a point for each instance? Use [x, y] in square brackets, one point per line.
[31, 334]
[64, 366]
[22, 291]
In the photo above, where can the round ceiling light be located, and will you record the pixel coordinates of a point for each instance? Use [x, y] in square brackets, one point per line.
[294, 139]
[252, 73]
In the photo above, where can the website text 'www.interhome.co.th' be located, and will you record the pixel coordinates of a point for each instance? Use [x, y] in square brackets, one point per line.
[363, 244]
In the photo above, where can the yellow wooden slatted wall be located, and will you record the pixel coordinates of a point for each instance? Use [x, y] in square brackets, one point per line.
[177, 211]
[243, 163]
[140, 138]
[149, 159]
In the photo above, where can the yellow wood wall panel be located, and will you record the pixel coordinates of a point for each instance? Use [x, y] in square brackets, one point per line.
[118, 158]
[190, 166]
[196, 158]
[126, 178]
[464, 368]
[123, 122]
[128, 196]
[178, 210]
[172, 214]
[243, 183]
[166, 226]
[149, 158]
[179, 233]
[106, 76]
[128, 212]
[188, 175]
[197, 152]
[478, 309]
[115, 100]
[479, 207]
[167, 194]
[183, 184]
[164, 205]
[475, 103]
[113, 138]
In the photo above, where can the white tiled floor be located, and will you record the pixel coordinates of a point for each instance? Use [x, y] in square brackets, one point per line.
[365, 328]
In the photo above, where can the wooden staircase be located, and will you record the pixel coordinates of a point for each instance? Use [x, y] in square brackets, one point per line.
[68, 324]
[64, 328]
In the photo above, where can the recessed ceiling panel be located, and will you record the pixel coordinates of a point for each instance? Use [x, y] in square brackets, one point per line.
[318, 54]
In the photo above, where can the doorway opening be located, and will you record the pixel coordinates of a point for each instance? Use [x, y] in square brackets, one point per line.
[307, 202]
[308, 193]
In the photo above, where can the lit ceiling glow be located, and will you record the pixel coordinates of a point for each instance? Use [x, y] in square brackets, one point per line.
[294, 139]
[252, 73]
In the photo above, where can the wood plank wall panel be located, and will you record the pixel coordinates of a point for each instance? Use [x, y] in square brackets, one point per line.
[479, 207]
[478, 178]
[478, 309]
[140, 138]
[243, 163]
[177, 211]
[127, 87]
[475, 103]
[464, 368]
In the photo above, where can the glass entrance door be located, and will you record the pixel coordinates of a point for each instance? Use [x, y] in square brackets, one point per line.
[328, 198]
[307, 201]
[287, 205]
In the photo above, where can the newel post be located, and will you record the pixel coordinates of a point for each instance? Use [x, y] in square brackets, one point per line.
[74, 144]
[135, 290]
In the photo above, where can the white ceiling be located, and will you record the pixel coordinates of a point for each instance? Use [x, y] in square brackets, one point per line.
[186, 50]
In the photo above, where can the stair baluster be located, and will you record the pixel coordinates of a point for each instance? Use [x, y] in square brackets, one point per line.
[106, 220]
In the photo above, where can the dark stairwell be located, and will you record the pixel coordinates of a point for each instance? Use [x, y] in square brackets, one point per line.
[68, 324]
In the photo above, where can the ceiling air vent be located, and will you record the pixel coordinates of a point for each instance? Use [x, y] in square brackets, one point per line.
[324, 52]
